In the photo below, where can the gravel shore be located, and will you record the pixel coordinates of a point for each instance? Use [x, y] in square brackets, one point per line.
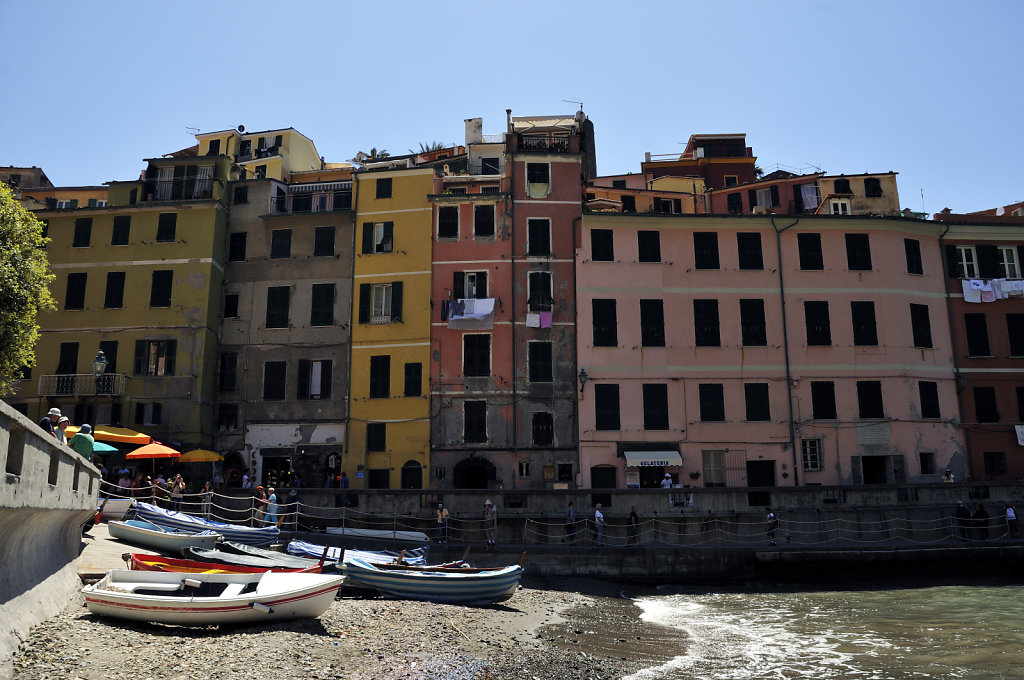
[549, 630]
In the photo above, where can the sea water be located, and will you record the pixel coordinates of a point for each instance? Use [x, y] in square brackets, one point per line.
[936, 632]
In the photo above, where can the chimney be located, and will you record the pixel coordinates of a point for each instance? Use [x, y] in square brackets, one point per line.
[474, 130]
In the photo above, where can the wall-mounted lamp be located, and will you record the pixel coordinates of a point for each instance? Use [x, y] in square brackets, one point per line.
[583, 378]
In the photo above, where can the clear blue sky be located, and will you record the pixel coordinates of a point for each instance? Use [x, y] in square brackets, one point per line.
[932, 90]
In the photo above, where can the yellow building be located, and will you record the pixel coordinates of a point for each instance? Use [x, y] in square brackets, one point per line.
[389, 426]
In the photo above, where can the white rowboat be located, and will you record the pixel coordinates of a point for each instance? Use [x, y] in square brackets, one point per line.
[141, 532]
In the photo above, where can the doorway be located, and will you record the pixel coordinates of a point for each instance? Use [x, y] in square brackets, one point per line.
[760, 473]
[474, 473]
[412, 475]
[602, 477]
[875, 469]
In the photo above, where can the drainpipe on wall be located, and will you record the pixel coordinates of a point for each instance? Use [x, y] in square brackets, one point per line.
[785, 346]
[577, 242]
[351, 329]
[956, 353]
[512, 266]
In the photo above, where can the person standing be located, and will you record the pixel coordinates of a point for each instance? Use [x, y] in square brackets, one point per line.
[61, 433]
[206, 498]
[980, 517]
[260, 505]
[442, 523]
[947, 476]
[634, 527]
[1011, 520]
[246, 481]
[49, 421]
[272, 509]
[666, 481]
[963, 521]
[570, 524]
[599, 527]
[82, 442]
[292, 511]
[177, 493]
[490, 522]
[773, 524]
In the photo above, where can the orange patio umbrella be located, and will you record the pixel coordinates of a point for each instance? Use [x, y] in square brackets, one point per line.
[153, 451]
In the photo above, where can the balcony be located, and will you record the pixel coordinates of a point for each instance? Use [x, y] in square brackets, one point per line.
[313, 198]
[183, 189]
[551, 143]
[82, 385]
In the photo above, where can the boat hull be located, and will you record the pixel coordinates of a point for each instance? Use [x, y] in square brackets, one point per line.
[417, 556]
[228, 552]
[231, 532]
[140, 562]
[153, 536]
[162, 597]
[478, 588]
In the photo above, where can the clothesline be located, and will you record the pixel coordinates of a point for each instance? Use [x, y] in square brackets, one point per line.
[990, 290]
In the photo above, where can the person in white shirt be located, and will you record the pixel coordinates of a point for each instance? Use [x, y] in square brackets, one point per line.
[599, 524]
[666, 482]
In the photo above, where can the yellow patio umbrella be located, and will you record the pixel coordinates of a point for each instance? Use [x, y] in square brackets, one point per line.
[200, 456]
[109, 433]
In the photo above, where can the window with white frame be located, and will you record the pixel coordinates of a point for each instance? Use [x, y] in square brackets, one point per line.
[764, 197]
[839, 206]
[101, 204]
[383, 237]
[380, 310]
[63, 205]
[810, 450]
[524, 469]
[968, 261]
[1008, 254]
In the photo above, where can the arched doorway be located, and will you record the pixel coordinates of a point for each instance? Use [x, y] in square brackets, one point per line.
[232, 468]
[412, 475]
[474, 473]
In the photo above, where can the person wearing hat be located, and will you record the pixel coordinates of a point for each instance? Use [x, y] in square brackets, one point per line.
[292, 508]
[666, 482]
[490, 522]
[61, 431]
[49, 421]
[272, 509]
[442, 523]
[82, 442]
[261, 504]
[599, 525]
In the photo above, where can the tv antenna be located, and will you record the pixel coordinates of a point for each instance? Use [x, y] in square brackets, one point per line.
[569, 101]
[192, 130]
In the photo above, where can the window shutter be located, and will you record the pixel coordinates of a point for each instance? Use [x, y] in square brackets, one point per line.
[1020, 256]
[367, 238]
[389, 235]
[481, 285]
[751, 199]
[677, 206]
[798, 199]
[51, 203]
[988, 261]
[171, 348]
[775, 196]
[325, 379]
[396, 300]
[303, 389]
[74, 203]
[140, 357]
[459, 285]
[157, 413]
[953, 263]
[364, 303]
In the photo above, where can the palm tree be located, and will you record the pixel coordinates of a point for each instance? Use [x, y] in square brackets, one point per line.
[374, 155]
[430, 146]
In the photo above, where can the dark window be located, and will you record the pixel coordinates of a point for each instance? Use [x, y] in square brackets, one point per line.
[236, 246]
[1020, 403]
[538, 238]
[413, 379]
[869, 399]
[148, 414]
[448, 221]
[227, 373]
[384, 187]
[323, 241]
[734, 203]
[705, 250]
[705, 323]
[315, 376]
[321, 312]
[649, 245]
[540, 299]
[913, 249]
[809, 246]
[227, 416]
[490, 166]
[841, 186]
[541, 362]
[543, 427]
[166, 225]
[114, 298]
[652, 323]
[618, 184]
[83, 232]
[656, 406]
[927, 461]
[748, 247]
[469, 285]
[712, 402]
[376, 437]
[155, 357]
[601, 245]
[475, 428]
[858, 252]
[240, 195]
[483, 221]
[865, 330]
[756, 395]
[819, 331]
[628, 203]
[538, 173]
[752, 323]
[378, 237]
[823, 400]
[929, 393]
[605, 324]
[109, 349]
[277, 306]
[122, 229]
[281, 243]
[74, 295]
[1015, 329]
[214, 149]
[921, 325]
[476, 355]
[380, 376]
[977, 335]
[995, 463]
[231, 306]
[274, 376]
[872, 187]
[606, 407]
[160, 294]
[67, 360]
[985, 408]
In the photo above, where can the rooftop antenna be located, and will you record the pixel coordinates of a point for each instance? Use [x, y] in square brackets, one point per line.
[192, 130]
[922, 202]
[569, 101]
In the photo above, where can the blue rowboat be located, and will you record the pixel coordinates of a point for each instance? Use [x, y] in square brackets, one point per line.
[141, 532]
[435, 584]
[231, 532]
[416, 556]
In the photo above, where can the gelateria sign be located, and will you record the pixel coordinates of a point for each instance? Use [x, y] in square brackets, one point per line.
[652, 458]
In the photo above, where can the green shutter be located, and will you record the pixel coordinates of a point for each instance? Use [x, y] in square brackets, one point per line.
[303, 388]
[367, 238]
[364, 303]
[74, 203]
[169, 353]
[140, 357]
[325, 379]
[396, 300]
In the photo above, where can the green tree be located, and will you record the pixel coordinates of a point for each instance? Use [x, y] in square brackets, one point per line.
[374, 155]
[430, 146]
[24, 286]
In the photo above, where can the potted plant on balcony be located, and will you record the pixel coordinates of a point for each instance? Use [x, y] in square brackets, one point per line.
[695, 475]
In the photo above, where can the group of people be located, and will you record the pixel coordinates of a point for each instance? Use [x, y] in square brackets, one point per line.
[973, 525]
[600, 526]
[268, 511]
[56, 425]
[490, 523]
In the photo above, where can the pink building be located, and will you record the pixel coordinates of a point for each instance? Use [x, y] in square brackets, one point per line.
[703, 356]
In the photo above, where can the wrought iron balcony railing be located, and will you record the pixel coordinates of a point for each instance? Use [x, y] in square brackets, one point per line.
[83, 384]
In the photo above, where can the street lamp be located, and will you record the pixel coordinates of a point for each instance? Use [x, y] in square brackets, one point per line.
[99, 367]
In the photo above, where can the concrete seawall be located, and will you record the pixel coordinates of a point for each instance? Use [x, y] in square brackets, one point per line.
[48, 492]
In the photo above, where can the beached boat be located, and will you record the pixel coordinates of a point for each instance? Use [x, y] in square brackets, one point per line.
[416, 556]
[229, 552]
[205, 599]
[150, 535]
[144, 562]
[456, 585]
[380, 534]
[114, 508]
[231, 532]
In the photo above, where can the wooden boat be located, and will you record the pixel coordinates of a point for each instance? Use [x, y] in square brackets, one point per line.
[144, 562]
[304, 549]
[231, 532]
[239, 554]
[480, 586]
[205, 599]
[141, 532]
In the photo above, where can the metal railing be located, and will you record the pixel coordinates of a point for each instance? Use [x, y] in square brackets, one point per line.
[83, 384]
[555, 143]
[327, 197]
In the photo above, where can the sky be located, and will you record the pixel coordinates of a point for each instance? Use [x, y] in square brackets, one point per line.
[932, 90]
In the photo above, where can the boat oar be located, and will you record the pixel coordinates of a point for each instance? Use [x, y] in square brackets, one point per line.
[465, 555]
[323, 557]
[401, 557]
[522, 558]
[99, 513]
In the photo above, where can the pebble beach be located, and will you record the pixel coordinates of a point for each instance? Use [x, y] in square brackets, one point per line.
[559, 628]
